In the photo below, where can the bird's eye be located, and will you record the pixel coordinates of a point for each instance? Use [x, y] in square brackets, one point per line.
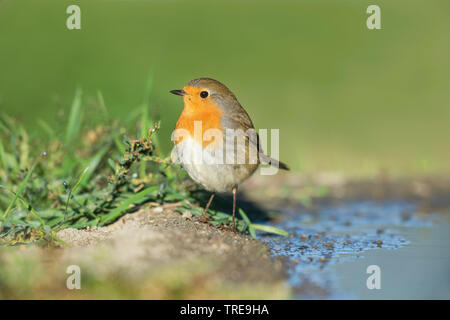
[204, 94]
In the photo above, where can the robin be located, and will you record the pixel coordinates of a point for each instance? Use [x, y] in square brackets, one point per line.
[210, 157]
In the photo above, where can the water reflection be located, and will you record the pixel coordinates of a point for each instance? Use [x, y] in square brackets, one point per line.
[334, 236]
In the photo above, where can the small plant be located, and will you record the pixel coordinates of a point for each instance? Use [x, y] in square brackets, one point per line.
[89, 175]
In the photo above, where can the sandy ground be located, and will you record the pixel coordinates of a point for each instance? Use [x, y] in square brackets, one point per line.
[151, 254]
[160, 236]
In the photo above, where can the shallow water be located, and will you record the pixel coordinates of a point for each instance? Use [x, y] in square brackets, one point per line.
[331, 248]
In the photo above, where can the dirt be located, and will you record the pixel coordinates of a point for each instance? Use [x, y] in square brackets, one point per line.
[155, 253]
[159, 236]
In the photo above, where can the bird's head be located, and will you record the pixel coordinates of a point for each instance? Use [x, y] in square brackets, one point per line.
[202, 93]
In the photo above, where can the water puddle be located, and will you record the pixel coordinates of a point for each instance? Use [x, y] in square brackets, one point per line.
[331, 248]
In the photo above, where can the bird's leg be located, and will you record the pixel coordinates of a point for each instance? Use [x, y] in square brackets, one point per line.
[204, 219]
[234, 207]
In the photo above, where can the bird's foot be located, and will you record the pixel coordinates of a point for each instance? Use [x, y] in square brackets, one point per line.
[205, 219]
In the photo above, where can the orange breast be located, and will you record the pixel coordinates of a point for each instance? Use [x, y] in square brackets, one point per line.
[207, 112]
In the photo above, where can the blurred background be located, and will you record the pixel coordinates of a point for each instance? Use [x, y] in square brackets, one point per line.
[345, 98]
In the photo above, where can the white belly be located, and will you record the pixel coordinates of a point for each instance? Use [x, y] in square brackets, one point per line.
[206, 166]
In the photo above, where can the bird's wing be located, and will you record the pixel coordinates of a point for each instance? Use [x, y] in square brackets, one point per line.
[241, 120]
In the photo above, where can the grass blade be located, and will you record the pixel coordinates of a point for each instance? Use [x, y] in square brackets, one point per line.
[270, 229]
[27, 205]
[119, 145]
[144, 122]
[144, 133]
[249, 223]
[3, 156]
[75, 117]
[19, 191]
[117, 212]
[74, 187]
[46, 127]
[80, 178]
[101, 102]
[93, 164]
[148, 89]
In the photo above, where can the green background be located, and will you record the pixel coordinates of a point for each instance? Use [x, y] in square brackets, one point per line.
[345, 98]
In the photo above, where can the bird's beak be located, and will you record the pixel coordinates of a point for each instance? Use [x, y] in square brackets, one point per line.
[178, 92]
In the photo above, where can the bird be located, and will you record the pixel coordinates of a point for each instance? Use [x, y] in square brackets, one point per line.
[212, 159]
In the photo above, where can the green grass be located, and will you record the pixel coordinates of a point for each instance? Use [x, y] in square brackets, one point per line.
[89, 178]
